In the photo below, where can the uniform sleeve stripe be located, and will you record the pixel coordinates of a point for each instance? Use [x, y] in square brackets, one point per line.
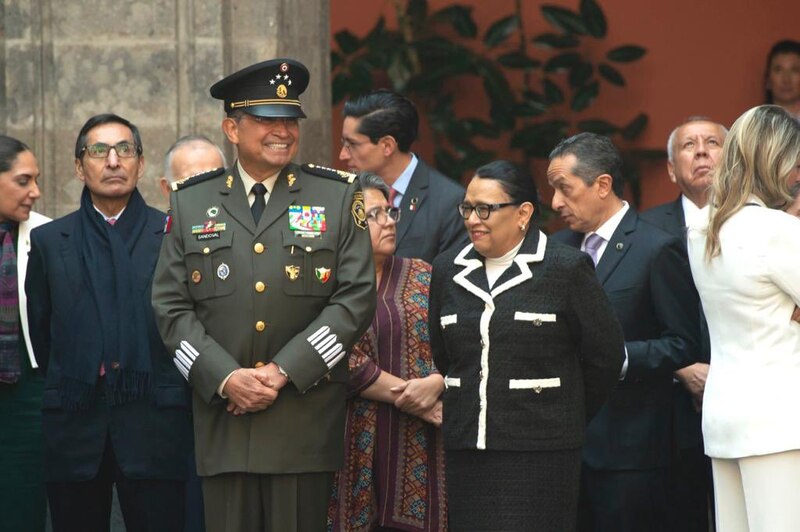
[181, 363]
[336, 360]
[189, 349]
[325, 344]
[322, 331]
[332, 352]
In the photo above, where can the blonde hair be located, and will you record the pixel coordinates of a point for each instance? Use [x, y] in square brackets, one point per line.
[760, 153]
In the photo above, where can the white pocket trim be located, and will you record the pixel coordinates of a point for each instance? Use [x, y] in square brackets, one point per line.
[535, 316]
[452, 382]
[537, 385]
[450, 319]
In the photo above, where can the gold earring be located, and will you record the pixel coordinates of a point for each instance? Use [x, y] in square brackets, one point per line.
[521, 227]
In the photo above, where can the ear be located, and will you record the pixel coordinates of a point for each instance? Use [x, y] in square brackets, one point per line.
[525, 212]
[388, 145]
[79, 170]
[604, 184]
[141, 167]
[163, 183]
[231, 129]
[671, 172]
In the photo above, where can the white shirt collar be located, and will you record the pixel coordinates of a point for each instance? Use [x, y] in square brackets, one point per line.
[691, 212]
[609, 226]
[402, 182]
[248, 182]
[107, 218]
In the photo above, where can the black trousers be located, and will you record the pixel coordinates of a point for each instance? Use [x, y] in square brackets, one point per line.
[147, 505]
[624, 501]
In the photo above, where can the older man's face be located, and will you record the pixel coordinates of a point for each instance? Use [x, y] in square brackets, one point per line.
[580, 206]
[696, 150]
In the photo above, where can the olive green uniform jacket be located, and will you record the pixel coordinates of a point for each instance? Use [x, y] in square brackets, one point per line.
[228, 294]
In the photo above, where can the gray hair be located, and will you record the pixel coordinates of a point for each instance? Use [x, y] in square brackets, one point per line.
[690, 120]
[595, 155]
[185, 141]
[368, 181]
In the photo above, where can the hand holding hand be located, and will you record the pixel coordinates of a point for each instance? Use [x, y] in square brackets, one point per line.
[433, 415]
[419, 395]
[248, 391]
[693, 379]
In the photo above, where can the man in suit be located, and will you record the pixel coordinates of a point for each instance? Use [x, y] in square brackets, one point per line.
[115, 410]
[693, 150]
[645, 273]
[377, 133]
[265, 280]
[190, 155]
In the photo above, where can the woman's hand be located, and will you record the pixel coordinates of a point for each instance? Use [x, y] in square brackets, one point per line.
[419, 395]
[433, 415]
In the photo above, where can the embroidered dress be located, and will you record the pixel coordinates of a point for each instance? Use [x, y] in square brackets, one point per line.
[393, 474]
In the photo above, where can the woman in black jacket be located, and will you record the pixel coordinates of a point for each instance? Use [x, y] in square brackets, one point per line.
[530, 349]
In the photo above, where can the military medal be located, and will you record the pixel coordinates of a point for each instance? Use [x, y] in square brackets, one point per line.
[209, 229]
[292, 271]
[223, 271]
[229, 182]
[197, 276]
[212, 211]
[168, 222]
[323, 274]
[307, 221]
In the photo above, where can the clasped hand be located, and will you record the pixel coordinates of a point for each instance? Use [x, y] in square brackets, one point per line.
[253, 389]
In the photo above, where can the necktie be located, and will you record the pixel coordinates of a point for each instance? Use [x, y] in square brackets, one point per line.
[111, 221]
[258, 205]
[593, 243]
[10, 362]
[392, 196]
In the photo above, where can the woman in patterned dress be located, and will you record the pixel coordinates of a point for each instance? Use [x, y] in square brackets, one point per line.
[393, 477]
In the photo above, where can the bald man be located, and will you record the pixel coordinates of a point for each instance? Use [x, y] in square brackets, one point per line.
[190, 155]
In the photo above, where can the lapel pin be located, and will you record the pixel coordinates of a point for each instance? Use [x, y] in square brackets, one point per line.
[212, 212]
[619, 246]
[413, 206]
[229, 182]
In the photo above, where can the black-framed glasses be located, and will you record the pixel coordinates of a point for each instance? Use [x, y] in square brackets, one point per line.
[382, 215]
[100, 150]
[483, 210]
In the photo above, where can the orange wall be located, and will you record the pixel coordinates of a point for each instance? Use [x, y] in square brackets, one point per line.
[705, 57]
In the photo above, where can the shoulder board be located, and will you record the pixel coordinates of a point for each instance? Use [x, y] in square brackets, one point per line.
[197, 178]
[330, 173]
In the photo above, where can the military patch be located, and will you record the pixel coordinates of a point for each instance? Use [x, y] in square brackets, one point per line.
[197, 178]
[197, 277]
[358, 211]
[212, 211]
[290, 178]
[323, 274]
[330, 173]
[168, 222]
[307, 221]
[209, 226]
[292, 271]
[223, 271]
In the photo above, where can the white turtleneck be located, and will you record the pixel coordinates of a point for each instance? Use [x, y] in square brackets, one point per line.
[496, 267]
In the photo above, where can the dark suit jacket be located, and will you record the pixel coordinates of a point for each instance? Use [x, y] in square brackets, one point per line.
[645, 273]
[151, 437]
[536, 355]
[430, 223]
[688, 432]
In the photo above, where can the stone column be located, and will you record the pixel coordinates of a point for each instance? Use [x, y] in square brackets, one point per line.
[151, 62]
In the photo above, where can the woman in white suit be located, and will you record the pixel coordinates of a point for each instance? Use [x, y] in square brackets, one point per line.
[746, 265]
[22, 494]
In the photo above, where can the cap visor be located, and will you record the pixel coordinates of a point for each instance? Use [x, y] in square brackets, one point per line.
[275, 111]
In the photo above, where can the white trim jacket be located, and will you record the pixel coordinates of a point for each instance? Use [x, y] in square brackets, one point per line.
[528, 362]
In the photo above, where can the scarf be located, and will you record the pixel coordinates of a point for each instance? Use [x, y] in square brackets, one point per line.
[109, 323]
[10, 363]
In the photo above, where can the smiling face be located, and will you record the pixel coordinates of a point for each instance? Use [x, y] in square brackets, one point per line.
[695, 152]
[19, 189]
[504, 228]
[264, 145]
[783, 79]
[383, 236]
[111, 177]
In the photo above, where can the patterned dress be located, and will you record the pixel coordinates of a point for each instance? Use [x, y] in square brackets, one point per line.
[393, 475]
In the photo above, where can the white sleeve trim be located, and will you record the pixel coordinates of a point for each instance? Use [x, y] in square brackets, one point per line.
[327, 346]
[452, 382]
[537, 385]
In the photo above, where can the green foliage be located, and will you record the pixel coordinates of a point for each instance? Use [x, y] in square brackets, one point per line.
[536, 87]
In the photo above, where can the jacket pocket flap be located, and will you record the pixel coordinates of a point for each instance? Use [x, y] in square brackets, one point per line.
[452, 382]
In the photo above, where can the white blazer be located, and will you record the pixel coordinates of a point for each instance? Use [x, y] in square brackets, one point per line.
[752, 396]
[23, 248]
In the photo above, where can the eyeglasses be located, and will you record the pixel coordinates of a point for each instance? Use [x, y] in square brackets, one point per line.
[381, 215]
[100, 150]
[483, 210]
[349, 145]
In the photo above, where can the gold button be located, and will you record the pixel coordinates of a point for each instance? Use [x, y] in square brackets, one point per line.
[537, 322]
[260, 287]
[206, 250]
[308, 249]
[537, 389]
[258, 248]
[260, 326]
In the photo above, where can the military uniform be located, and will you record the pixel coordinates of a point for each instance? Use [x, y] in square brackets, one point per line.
[296, 289]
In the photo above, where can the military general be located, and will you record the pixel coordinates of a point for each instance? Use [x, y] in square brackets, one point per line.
[265, 280]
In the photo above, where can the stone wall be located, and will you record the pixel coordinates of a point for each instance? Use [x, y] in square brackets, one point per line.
[151, 62]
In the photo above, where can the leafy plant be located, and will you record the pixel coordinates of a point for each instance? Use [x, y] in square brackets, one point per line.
[538, 88]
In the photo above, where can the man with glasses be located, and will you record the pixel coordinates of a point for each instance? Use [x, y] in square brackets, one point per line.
[264, 282]
[645, 273]
[377, 133]
[115, 410]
